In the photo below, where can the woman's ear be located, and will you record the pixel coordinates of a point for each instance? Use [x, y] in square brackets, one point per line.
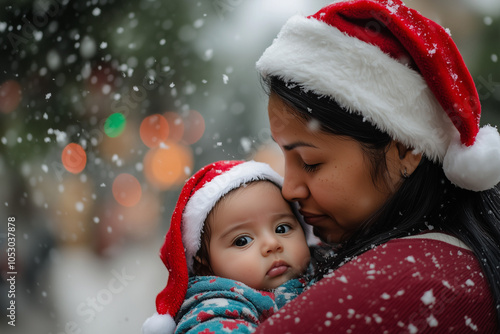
[409, 161]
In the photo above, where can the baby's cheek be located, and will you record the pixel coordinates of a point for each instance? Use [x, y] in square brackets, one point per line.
[304, 262]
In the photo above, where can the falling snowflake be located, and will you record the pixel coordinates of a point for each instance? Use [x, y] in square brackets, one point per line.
[410, 259]
[428, 297]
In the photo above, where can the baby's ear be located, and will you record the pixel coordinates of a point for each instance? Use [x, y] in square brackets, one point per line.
[200, 260]
[201, 267]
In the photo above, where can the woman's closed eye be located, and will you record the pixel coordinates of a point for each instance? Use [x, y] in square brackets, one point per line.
[310, 168]
[242, 241]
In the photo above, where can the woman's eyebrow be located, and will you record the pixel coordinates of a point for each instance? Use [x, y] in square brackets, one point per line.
[291, 146]
[296, 144]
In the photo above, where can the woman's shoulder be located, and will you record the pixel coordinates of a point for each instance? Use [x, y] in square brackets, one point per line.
[428, 273]
[442, 239]
[435, 256]
[412, 284]
[428, 259]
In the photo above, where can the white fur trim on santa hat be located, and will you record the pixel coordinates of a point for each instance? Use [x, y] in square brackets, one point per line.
[204, 199]
[159, 324]
[476, 167]
[362, 79]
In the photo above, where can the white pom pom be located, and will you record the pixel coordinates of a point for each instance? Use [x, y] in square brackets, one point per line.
[476, 167]
[159, 324]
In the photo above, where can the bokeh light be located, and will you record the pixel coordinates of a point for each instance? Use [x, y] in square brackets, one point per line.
[154, 130]
[10, 96]
[175, 126]
[271, 154]
[127, 190]
[168, 166]
[124, 149]
[72, 197]
[114, 125]
[74, 158]
[194, 127]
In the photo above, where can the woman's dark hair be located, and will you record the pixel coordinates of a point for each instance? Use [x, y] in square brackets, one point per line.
[427, 200]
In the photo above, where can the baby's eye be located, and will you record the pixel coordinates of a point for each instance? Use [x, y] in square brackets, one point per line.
[283, 228]
[242, 241]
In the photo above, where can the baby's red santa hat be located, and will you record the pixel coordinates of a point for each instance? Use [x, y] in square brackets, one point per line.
[183, 239]
[402, 72]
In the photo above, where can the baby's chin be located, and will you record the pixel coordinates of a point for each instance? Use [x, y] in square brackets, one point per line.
[277, 282]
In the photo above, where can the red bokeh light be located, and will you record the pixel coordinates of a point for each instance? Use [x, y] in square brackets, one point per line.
[74, 158]
[127, 190]
[10, 96]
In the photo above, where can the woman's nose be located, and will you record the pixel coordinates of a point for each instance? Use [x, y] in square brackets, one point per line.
[294, 189]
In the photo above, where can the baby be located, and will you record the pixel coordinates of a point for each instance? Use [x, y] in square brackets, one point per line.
[245, 250]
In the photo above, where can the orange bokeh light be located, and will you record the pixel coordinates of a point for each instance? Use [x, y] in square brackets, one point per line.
[194, 127]
[127, 190]
[175, 125]
[168, 166]
[10, 96]
[154, 130]
[74, 158]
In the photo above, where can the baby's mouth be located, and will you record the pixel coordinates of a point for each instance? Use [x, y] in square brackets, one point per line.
[278, 268]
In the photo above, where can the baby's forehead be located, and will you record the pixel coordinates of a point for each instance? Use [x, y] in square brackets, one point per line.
[258, 183]
[258, 201]
[261, 183]
[267, 190]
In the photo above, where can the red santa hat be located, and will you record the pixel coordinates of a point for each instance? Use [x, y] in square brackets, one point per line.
[402, 72]
[183, 239]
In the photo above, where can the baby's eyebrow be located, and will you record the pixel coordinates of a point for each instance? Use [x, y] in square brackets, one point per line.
[246, 224]
[236, 226]
[284, 215]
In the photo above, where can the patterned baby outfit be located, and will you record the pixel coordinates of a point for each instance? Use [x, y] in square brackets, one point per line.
[219, 305]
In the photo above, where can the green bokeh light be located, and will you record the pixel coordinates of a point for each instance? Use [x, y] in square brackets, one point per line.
[115, 124]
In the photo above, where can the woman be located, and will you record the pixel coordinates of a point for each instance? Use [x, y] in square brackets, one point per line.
[378, 117]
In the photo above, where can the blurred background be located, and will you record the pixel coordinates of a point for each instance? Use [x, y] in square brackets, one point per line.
[107, 106]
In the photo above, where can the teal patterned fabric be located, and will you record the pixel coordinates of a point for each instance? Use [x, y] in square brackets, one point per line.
[217, 305]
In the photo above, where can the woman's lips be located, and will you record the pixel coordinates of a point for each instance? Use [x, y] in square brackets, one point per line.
[277, 269]
[311, 218]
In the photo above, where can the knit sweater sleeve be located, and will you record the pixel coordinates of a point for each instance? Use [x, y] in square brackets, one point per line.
[403, 286]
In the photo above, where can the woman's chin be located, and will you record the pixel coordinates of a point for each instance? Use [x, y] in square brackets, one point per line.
[329, 237]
